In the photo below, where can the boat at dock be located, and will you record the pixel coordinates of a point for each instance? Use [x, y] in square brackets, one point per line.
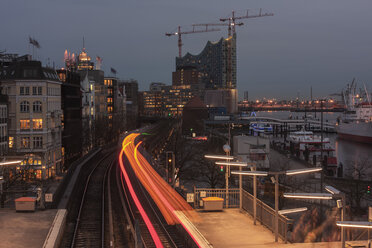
[356, 122]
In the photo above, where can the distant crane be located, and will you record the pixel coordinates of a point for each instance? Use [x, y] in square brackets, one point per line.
[229, 25]
[231, 31]
[233, 18]
[194, 30]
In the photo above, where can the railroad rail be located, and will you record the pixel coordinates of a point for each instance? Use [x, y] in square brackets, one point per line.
[89, 229]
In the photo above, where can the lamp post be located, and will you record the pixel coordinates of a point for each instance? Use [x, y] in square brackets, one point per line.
[227, 158]
[253, 173]
[275, 180]
[333, 194]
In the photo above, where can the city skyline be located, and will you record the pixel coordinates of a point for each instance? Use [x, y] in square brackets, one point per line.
[318, 44]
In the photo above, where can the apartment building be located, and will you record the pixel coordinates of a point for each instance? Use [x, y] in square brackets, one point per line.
[34, 117]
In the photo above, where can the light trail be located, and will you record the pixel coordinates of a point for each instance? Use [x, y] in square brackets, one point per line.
[165, 197]
[146, 219]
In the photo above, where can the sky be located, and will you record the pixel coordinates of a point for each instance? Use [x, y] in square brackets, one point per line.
[319, 44]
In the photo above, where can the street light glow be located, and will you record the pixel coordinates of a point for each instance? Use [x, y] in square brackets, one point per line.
[320, 196]
[292, 210]
[11, 162]
[250, 173]
[302, 171]
[355, 224]
[231, 163]
[219, 157]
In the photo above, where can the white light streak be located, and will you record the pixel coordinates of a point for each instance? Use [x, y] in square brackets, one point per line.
[320, 196]
[11, 162]
[292, 210]
[355, 224]
[250, 173]
[231, 163]
[302, 171]
[219, 157]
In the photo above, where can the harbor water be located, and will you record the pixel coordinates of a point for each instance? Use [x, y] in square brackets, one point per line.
[350, 154]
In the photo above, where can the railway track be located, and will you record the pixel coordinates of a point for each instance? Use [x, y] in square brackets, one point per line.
[89, 230]
[168, 234]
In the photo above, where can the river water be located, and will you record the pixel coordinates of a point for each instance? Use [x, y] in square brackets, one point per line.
[349, 153]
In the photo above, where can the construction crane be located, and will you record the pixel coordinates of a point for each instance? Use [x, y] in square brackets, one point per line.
[194, 30]
[229, 25]
[233, 18]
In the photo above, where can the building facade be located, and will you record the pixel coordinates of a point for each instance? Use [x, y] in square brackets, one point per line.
[3, 124]
[71, 97]
[216, 64]
[132, 104]
[34, 117]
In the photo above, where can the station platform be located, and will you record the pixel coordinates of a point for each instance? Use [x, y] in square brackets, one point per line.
[233, 229]
[25, 229]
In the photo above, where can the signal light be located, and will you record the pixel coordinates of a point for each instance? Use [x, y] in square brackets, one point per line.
[369, 189]
[221, 168]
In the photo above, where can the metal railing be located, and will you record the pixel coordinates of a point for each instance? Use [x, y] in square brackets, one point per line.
[200, 193]
[266, 215]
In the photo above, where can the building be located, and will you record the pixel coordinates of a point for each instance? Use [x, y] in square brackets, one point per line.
[252, 149]
[34, 117]
[88, 113]
[3, 124]
[132, 104]
[194, 112]
[185, 76]
[222, 98]
[216, 65]
[71, 97]
[93, 81]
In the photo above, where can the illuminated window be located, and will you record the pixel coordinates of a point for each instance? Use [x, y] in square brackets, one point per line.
[109, 100]
[37, 107]
[37, 123]
[25, 142]
[110, 117]
[11, 142]
[25, 124]
[109, 109]
[38, 142]
[91, 111]
[91, 87]
[24, 107]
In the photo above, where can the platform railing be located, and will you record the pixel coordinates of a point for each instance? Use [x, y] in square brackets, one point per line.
[266, 215]
[221, 193]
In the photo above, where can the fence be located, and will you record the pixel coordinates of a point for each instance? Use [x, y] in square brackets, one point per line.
[266, 215]
[200, 193]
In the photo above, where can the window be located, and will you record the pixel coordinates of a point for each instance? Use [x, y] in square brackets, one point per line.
[37, 107]
[22, 90]
[27, 91]
[25, 107]
[34, 90]
[25, 142]
[109, 100]
[25, 124]
[39, 91]
[37, 123]
[38, 142]
[11, 142]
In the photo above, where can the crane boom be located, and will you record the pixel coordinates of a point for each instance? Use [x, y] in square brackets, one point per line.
[194, 30]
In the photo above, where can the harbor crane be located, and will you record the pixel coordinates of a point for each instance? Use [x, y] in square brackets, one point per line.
[229, 25]
[194, 30]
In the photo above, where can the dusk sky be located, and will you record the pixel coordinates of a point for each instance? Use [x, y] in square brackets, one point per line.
[323, 44]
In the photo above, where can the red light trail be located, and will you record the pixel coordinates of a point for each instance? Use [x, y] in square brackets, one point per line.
[165, 197]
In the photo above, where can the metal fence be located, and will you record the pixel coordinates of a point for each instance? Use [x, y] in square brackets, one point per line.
[200, 193]
[266, 215]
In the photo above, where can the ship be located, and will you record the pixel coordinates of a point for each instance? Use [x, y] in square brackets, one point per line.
[356, 122]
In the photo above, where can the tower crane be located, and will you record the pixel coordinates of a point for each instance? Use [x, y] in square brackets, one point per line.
[233, 18]
[229, 25]
[179, 33]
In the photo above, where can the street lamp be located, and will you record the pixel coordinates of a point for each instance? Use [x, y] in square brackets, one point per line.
[333, 194]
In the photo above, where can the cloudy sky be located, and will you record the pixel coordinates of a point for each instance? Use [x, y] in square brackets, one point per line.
[323, 44]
